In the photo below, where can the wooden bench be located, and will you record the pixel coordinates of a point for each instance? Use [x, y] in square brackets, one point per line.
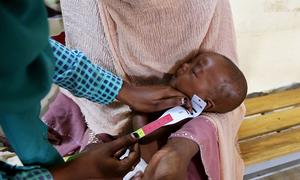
[271, 128]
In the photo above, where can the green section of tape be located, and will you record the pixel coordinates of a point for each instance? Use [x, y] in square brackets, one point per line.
[72, 157]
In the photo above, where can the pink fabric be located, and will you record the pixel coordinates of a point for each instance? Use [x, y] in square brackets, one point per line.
[67, 127]
[65, 119]
[203, 132]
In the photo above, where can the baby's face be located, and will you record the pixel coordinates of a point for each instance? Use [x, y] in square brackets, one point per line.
[199, 76]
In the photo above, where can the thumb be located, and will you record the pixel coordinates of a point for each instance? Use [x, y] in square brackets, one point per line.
[120, 143]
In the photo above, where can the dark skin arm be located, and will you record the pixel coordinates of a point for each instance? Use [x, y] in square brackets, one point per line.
[99, 161]
[151, 98]
[151, 143]
[141, 119]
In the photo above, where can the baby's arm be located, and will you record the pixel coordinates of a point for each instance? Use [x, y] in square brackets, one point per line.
[151, 143]
[139, 120]
[148, 147]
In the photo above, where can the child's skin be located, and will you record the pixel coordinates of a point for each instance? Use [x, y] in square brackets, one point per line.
[215, 79]
[210, 76]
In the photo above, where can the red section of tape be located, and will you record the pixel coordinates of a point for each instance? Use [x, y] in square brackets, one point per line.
[149, 128]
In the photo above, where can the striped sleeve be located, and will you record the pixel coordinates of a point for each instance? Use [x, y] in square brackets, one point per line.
[9, 172]
[75, 72]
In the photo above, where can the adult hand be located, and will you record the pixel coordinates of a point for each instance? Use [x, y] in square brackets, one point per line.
[152, 98]
[100, 161]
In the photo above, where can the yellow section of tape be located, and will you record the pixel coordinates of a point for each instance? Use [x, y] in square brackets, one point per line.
[140, 133]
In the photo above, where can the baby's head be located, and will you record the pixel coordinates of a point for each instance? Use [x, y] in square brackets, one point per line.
[215, 79]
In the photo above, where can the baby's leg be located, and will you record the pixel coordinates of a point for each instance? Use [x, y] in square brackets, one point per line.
[172, 160]
[182, 147]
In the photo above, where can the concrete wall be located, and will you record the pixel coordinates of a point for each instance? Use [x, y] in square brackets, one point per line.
[268, 34]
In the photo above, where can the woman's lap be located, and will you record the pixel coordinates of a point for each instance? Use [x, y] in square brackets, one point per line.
[65, 118]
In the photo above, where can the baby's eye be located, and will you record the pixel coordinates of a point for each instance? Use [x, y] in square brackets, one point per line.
[194, 72]
[197, 70]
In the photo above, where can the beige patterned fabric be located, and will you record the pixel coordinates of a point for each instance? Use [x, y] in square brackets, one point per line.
[84, 31]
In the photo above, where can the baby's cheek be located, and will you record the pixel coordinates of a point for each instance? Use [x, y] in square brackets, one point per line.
[187, 89]
[183, 84]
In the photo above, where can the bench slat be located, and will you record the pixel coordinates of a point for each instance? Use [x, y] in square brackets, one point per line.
[272, 101]
[266, 148]
[268, 123]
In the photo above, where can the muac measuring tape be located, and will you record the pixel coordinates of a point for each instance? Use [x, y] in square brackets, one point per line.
[172, 116]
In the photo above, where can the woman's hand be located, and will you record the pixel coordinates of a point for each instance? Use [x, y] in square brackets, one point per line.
[100, 161]
[152, 98]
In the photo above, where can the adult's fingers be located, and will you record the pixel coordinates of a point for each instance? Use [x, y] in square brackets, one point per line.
[172, 102]
[120, 153]
[135, 151]
[126, 164]
[120, 143]
[171, 92]
[188, 105]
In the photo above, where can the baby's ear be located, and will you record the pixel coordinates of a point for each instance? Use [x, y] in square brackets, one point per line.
[210, 105]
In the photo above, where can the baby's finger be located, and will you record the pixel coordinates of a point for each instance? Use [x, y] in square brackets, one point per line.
[171, 92]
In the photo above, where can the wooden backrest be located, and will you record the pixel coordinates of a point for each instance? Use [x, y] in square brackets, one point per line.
[270, 113]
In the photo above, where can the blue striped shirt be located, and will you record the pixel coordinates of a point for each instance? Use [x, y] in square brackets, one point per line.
[75, 72]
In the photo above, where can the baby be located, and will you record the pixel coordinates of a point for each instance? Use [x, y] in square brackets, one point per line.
[215, 79]
[212, 77]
